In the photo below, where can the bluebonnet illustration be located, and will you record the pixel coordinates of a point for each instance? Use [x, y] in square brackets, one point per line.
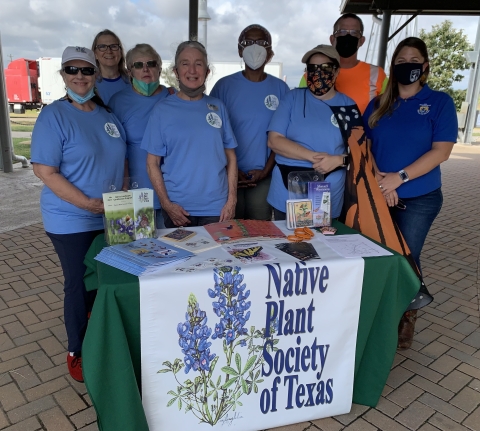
[209, 397]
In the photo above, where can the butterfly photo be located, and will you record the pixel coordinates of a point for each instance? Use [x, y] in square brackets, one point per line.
[249, 253]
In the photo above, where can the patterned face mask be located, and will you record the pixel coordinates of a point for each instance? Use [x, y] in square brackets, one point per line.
[320, 78]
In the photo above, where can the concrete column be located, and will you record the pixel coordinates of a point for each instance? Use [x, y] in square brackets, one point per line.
[384, 33]
[193, 20]
[5, 132]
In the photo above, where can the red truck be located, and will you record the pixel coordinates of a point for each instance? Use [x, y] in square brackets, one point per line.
[21, 80]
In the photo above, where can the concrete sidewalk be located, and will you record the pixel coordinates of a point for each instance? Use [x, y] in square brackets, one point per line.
[433, 386]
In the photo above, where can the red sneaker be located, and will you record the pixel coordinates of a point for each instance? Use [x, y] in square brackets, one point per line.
[75, 367]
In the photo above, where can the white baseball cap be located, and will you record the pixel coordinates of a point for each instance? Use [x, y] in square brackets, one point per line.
[78, 53]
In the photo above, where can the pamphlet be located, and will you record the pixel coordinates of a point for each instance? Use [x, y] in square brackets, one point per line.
[299, 213]
[319, 193]
[129, 215]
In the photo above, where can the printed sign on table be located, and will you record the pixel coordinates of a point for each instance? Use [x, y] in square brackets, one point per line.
[249, 348]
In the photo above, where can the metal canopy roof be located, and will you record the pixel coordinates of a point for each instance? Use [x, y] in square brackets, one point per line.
[409, 7]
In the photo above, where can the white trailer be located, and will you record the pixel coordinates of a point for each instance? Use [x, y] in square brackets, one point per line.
[50, 82]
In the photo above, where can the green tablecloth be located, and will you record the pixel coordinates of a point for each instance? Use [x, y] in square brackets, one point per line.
[111, 350]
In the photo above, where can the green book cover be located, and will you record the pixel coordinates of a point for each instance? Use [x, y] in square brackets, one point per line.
[119, 217]
[144, 213]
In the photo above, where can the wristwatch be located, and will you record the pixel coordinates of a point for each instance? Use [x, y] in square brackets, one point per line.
[403, 176]
[346, 160]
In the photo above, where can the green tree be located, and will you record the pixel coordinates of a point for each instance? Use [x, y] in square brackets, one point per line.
[446, 46]
[169, 77]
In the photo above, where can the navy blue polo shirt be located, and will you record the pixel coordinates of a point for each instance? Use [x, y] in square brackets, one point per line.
[408, 133]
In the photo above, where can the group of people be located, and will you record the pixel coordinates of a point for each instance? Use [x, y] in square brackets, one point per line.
[227, 155]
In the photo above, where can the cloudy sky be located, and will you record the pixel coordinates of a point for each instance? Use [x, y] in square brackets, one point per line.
[42, 28]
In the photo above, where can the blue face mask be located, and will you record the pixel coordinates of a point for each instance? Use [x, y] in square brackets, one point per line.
[143, 88]
[79, 99]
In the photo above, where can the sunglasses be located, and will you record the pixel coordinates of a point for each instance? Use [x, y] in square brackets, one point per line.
[342, 32]
[140, 64]
[326, 67]
[250, 42]
[113, 47]
[73, 70]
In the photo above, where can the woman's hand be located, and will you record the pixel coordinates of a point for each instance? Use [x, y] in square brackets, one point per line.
[389, 182]
[228, 210]
[95, 206]
[391, 198]
[177, 214]
[325, 163]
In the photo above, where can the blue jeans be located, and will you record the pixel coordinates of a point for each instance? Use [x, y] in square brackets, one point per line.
[416, 219]
[71, 249]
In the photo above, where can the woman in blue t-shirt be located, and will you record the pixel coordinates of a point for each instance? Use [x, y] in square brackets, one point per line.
[78, 147]
[133, 106]
[304, 132]
[411, 130]
[110, 58]
[190, 143]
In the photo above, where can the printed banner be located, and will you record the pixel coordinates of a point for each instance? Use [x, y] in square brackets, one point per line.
[249, 348]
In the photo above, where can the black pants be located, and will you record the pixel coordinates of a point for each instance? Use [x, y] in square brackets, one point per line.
[194, 220]
[71, 249]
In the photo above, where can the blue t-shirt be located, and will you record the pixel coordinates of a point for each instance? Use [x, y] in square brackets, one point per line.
[108, 87]
[250, 106]
[309, 122]
[133, 110]
[406, 135]
[89, 149]
[191, 137]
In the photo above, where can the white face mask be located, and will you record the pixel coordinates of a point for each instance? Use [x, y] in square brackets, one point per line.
[254, 56]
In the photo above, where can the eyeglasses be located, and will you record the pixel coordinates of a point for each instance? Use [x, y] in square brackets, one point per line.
[73, 70]
[140, 64]
[102, 47]
[325, 67]
[250, 42]
[401, 205]
[342, 32]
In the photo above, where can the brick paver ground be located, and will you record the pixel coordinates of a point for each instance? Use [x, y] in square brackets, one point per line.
[433, 386]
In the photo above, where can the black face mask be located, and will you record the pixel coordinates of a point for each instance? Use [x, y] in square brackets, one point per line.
[347, 45]
[407, 73]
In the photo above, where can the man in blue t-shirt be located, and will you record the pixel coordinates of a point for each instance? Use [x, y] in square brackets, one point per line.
[251, 97]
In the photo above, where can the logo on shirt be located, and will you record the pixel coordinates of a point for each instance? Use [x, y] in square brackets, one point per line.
[112, 130]
[271, 102]
[212, 107]
[424, 109]
[414, 75]
[214, 120]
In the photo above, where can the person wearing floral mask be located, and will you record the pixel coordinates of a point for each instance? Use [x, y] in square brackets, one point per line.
[191, 147]
[77, 145]
[304, 132]
[411, 130]
[133, 106]
[251, 97]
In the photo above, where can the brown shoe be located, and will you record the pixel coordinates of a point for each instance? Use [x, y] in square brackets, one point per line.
[406, 329]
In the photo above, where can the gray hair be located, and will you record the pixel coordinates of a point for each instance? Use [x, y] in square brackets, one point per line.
[191, 44]
[142, 49]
